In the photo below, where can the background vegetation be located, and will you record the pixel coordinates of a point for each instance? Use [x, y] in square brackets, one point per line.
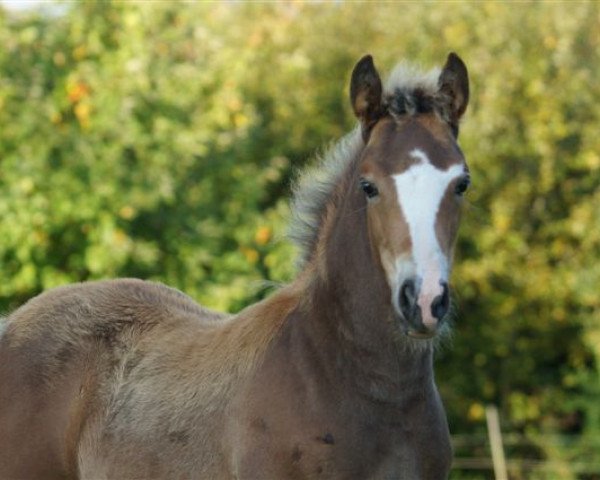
[158, 140]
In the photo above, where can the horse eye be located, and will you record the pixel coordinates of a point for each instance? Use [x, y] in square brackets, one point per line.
[462, 185]
[369, 189]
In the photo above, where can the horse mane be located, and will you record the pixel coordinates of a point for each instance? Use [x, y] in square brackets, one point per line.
[408, 90]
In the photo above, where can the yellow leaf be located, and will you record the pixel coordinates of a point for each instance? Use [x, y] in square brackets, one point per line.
[79, 52]
[263, 235]
[250, 254]
[127, 212]
[476, 412]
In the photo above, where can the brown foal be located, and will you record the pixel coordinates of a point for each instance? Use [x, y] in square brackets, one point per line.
[330, 377]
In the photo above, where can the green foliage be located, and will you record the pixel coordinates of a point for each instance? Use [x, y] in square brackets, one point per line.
[159, 141]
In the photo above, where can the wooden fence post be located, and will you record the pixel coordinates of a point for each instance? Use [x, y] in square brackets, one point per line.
[495, 436]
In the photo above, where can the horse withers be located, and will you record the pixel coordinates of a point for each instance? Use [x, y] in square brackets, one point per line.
[330, 377]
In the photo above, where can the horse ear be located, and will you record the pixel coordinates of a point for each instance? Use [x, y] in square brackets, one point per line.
[453, 85]
[365, 93]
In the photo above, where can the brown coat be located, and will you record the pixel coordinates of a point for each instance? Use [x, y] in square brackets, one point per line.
[127, 379]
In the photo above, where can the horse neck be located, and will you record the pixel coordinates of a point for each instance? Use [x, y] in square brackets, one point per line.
[348, 309]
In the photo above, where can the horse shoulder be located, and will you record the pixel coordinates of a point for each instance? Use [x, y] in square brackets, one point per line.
[174, 389]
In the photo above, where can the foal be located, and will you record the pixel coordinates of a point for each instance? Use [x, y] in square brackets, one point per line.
[330, 377]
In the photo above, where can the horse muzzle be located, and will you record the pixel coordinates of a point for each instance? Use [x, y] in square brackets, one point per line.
[423, 309]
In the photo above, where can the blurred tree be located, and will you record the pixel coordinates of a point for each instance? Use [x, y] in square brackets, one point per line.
[160, 142]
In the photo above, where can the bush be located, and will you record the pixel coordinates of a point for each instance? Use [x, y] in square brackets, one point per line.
[159, 142]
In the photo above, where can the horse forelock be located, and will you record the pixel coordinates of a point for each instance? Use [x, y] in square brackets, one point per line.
[408, 90]
[408, 77]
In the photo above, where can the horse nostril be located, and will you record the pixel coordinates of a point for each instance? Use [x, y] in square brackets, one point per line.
[441, 303]
[408, 298]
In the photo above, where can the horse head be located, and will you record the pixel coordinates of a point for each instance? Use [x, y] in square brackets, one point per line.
[413, 175]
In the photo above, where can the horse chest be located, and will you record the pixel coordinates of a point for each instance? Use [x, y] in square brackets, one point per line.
[307, 453]
[293, 421]
[304, 442]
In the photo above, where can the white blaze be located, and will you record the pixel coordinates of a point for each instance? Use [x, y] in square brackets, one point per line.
[420, 191]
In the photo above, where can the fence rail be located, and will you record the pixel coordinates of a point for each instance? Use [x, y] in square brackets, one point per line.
[515, 455]
[576, 455]
[520, 465]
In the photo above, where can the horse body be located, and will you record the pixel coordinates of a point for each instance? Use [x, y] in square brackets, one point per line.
[326, 378]
[149, 385]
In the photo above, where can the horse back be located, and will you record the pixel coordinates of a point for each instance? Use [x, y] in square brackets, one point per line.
[57, 351]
